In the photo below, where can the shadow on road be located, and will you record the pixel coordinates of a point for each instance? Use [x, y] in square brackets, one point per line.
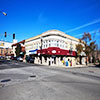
[98, 66]
[7, 64]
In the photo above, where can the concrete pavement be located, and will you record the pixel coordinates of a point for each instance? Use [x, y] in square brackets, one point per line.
[50, 83]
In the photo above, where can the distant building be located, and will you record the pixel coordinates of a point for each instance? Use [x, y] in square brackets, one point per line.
[53, 48]
[14, 45]
[5, 48]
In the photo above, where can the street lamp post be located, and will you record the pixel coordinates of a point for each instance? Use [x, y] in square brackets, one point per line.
[41, 50]
[71, 48]
[71, 52]
[3, 13]
[5, 32]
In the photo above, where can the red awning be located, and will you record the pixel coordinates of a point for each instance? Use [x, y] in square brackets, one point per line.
[56, 51]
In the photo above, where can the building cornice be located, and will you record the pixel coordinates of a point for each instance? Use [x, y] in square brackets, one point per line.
[50, 33]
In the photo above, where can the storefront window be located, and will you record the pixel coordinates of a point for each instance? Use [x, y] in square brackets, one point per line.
[46, 45]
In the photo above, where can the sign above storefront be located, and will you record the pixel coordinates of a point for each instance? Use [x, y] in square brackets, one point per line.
[1, 44]
[53, 51]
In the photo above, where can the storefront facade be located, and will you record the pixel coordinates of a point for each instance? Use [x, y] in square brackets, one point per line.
[52, 48]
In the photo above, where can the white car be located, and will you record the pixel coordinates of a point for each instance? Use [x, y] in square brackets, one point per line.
[19, 59]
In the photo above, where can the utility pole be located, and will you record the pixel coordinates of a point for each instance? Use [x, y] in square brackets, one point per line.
[41, 50]
[71, 51]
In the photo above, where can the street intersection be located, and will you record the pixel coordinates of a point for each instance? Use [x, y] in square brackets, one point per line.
[25, 81]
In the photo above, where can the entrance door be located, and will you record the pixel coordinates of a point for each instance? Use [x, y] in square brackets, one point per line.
[54, 59]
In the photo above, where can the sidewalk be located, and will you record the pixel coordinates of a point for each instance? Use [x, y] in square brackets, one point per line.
[88, 65]
[78, 66]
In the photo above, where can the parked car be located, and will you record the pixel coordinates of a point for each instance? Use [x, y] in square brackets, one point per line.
[13, 58]
[30, 59]
[27, 58]
[19, 59]
[1, 57]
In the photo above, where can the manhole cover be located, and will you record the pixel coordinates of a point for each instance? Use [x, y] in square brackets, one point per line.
[6, 80]
[33, 76]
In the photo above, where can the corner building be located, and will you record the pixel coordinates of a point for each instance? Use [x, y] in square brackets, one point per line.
[52, 47]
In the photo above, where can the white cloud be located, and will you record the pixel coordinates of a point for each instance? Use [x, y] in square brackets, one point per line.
[82, 26]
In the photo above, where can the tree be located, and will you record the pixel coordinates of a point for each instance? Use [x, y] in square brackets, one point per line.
[18, 50]
[86, 37]
[89, 45]
[22, 53]
[92, 46]
[79, 48]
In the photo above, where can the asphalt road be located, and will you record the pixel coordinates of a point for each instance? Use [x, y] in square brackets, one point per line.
[24, 81]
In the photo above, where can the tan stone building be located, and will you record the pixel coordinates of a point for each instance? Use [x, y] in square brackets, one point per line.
[53, 47]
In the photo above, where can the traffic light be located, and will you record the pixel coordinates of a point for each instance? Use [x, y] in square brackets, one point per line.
[5, 34]
[13, 35]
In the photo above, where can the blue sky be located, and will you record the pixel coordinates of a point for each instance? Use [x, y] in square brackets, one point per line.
[28, 18]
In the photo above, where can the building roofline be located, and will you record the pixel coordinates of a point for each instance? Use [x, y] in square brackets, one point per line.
[64, 34]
